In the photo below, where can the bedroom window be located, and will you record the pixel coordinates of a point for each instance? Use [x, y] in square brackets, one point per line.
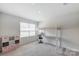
[27, 29]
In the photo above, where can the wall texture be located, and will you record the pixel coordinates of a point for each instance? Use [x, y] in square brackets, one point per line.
[9, 25]
[72, 38]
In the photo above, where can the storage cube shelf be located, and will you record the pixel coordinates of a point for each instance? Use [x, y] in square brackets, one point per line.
[9, 43]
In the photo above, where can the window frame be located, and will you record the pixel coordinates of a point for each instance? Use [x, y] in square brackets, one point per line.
[28, 31]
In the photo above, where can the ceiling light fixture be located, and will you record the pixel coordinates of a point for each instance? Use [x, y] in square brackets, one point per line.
[65, 3]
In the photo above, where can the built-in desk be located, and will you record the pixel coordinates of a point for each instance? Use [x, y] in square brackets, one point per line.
[8, 43]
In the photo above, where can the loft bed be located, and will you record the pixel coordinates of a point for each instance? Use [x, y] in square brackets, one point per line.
[57, 36]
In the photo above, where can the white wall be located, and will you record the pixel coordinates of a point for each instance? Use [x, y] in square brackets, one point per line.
[72, 36]
[9, 25]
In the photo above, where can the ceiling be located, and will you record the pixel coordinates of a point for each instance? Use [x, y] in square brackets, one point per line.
[48, 14]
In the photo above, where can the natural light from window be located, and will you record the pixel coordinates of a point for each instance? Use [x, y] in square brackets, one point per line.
[27, 29]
